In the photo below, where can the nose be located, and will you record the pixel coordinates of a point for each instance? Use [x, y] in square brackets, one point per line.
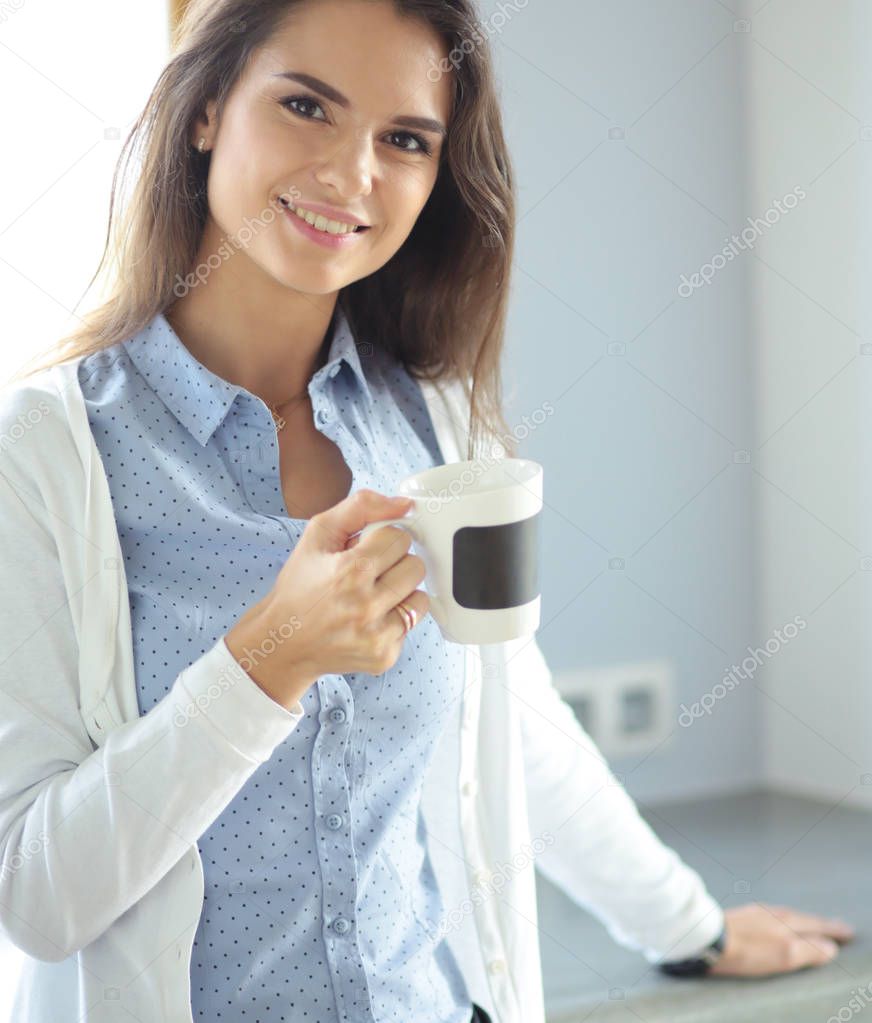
[348, 168]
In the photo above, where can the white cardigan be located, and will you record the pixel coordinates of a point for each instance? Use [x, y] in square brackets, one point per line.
[101, 881]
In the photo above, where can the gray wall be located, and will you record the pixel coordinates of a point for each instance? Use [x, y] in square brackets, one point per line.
[812, 126]
[626, 122]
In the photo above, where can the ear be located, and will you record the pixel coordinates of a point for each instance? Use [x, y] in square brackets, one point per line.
[207, 125]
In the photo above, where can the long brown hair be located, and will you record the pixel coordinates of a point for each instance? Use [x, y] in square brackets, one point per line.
[438, 305]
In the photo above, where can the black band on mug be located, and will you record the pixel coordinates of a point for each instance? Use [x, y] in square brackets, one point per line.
[497, 567]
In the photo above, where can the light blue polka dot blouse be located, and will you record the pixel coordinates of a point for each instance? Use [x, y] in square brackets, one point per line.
[320, 900]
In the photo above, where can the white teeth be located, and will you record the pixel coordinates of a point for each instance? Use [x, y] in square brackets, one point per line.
[322, 223]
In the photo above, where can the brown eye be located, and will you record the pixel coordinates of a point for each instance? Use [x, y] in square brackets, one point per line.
[423, 145]
[288, 100]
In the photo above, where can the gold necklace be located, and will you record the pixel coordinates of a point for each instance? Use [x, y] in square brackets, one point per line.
[279, 419]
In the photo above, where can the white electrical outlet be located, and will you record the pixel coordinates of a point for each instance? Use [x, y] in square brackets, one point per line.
[624, 708]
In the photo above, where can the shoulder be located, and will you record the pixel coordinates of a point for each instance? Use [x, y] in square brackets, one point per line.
[451, 393]
[448, 403]
[98, 371]
[27, 403]
[49, 397]
[35, 434]
[443, 401]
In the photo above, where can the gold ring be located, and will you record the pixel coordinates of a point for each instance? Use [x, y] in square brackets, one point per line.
[408, 616]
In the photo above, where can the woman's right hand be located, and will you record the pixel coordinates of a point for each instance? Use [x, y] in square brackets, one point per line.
[332, 607]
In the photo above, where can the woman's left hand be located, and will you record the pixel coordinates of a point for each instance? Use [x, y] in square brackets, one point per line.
[763, 940]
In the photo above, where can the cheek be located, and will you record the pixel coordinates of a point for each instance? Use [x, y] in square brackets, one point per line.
[257, 160]
[405, 191]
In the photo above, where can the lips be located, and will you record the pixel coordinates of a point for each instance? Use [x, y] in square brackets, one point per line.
[336, 242]
[349, 226]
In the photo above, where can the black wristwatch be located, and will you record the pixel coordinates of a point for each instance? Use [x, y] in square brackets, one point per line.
[699, 965]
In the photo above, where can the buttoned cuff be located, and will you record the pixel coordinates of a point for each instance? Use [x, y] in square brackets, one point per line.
[226, 698]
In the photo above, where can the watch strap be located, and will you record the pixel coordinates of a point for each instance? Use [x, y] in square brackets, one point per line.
[698, 965]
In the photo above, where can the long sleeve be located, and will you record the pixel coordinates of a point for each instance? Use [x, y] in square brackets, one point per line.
[85, 832]
[604, 855]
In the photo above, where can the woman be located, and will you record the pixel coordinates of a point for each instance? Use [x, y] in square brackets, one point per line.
[255, 384]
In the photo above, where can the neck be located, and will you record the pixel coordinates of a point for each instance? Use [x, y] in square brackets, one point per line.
[251, 330]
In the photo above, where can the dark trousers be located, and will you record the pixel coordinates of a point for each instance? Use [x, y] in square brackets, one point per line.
[479, 1015]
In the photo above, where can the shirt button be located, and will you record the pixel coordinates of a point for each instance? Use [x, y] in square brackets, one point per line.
[337, 715]
[481, 878]
[323, 416]
[496, 966]
[334, 821]
[341, 925]
[334, 370]
[469, 788]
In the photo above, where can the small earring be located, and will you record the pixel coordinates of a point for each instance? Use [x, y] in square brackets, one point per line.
[202, 144]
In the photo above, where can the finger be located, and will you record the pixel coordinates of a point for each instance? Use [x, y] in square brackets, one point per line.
[419, 602]
[398, 583]
[809, 923]
[383, 548]
[337, 524]
[838, 930]
[809, 950]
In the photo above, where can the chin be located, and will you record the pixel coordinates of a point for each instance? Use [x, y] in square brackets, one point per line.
[313, 284]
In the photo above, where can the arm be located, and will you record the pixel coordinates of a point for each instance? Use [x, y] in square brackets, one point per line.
[605, 856]
[125, 813]
[610, 861]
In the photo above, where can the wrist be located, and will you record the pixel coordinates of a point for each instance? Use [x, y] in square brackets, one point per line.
[699, 964]
[263, 655]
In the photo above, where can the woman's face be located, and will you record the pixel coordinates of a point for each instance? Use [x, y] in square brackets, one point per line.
[280, 137]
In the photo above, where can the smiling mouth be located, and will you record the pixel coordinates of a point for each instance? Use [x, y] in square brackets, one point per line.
[322, 223]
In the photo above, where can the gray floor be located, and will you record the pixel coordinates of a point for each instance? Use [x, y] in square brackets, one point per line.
[761, 846]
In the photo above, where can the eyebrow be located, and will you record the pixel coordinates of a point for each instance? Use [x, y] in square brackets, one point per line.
[335, 96]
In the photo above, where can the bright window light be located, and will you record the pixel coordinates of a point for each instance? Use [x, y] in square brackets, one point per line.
[73, 78]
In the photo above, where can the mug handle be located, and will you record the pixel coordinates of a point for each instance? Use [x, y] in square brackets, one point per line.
[407, 522]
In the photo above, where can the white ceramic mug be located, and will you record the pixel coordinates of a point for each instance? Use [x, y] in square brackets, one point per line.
[476, 528]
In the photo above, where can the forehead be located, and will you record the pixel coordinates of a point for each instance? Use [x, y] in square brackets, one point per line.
[375, 57]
